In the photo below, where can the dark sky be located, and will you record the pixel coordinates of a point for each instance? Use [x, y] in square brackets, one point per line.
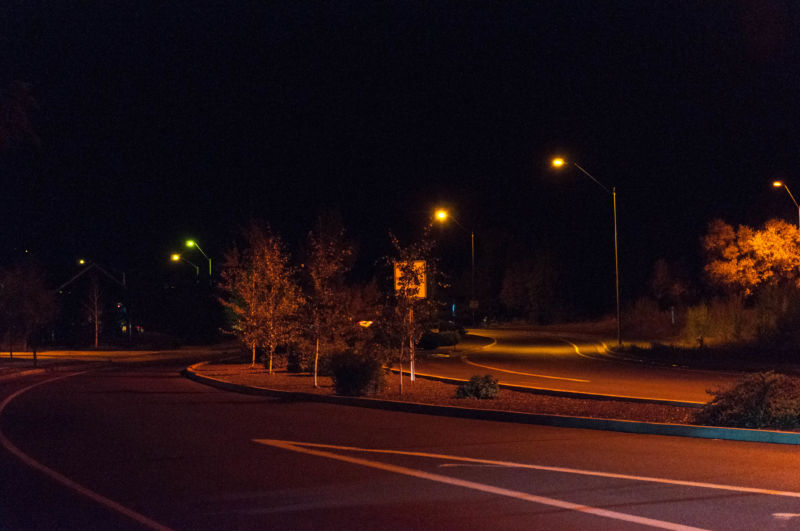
[160, 121]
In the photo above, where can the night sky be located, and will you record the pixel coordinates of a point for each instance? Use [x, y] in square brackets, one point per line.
[162, 121]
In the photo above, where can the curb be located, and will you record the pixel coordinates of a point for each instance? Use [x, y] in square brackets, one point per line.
[559, 421]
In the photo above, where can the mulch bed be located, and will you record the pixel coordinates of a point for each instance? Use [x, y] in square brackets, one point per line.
[439, 393]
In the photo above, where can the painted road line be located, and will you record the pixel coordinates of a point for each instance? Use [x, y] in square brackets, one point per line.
[490, 489]
[511, 464]
[60, 478]
[525, 373]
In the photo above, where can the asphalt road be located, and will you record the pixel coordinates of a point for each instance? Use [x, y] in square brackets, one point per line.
[138, 446]
[569, 363]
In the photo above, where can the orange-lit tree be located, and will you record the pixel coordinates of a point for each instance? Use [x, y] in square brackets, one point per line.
[411, 313]
[743, 259]
[261, 292]
[329, 259]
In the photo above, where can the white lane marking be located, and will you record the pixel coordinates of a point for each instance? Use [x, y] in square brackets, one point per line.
[785, 516]
[466, 360]
[576, 348]
[77, 487]
[299, 447]
[511, 464]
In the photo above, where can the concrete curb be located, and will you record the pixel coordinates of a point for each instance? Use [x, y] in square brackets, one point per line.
[560, 421]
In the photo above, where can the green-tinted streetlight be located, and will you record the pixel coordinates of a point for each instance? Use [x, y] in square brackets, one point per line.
[559, 162]
[192, 243]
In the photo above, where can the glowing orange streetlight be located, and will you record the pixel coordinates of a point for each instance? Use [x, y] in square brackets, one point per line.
[559, 162]
[781, 184]
[442, 215]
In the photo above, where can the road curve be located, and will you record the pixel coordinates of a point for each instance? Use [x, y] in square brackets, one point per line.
[569, 363]
[186, 456]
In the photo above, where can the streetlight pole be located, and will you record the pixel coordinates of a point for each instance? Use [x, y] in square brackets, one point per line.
[559, 162]
[178, 258]
[192, 243]
[779, 184]
[442, 215]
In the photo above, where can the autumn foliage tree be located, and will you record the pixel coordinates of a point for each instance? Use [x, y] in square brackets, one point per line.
[743, 259]
[261, 292]
[329, 260]
[411, 312]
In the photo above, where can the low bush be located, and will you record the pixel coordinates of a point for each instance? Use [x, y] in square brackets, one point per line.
[354, 374]
[445, 338]
[478, 387]
[761, 400]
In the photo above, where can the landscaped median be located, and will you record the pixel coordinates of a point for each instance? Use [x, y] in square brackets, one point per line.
[437, 397]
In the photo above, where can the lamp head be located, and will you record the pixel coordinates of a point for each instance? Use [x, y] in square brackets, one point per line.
[190, 243]
[441, 214]
[558, 162]
[175, 257]
[777, 184]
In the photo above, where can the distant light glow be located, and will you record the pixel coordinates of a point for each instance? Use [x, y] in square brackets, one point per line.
[81, 261]
[365, 324]
[558, 162]
[175, 257]
[777, 184]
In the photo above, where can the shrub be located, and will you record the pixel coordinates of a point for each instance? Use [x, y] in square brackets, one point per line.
[762, 400]
[354, 374]
[478, 387]
[721, 320]
[444, 338]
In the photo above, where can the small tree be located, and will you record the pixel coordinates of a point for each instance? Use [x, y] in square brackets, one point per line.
[411, 312]
[329, 259]
[261, 292]
[94, 307]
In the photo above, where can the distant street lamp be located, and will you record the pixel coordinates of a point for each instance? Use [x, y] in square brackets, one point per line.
[559, 162]
[442, 215]
[175, 257]
[192, 243]
[779, 184]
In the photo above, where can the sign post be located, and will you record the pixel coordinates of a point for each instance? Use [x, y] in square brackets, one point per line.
[411, 286]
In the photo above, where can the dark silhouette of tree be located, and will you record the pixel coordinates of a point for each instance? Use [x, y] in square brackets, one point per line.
[94, 307]
[530, 289]
[26, 304]
[16, 129]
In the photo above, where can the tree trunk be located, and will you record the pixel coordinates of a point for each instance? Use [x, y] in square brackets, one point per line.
[270, 359]
[401, 368]
[316, 362]
[254, 355]
[96, 331]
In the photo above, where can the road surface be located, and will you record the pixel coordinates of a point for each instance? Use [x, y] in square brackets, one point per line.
[564, 362]
[139, 447]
